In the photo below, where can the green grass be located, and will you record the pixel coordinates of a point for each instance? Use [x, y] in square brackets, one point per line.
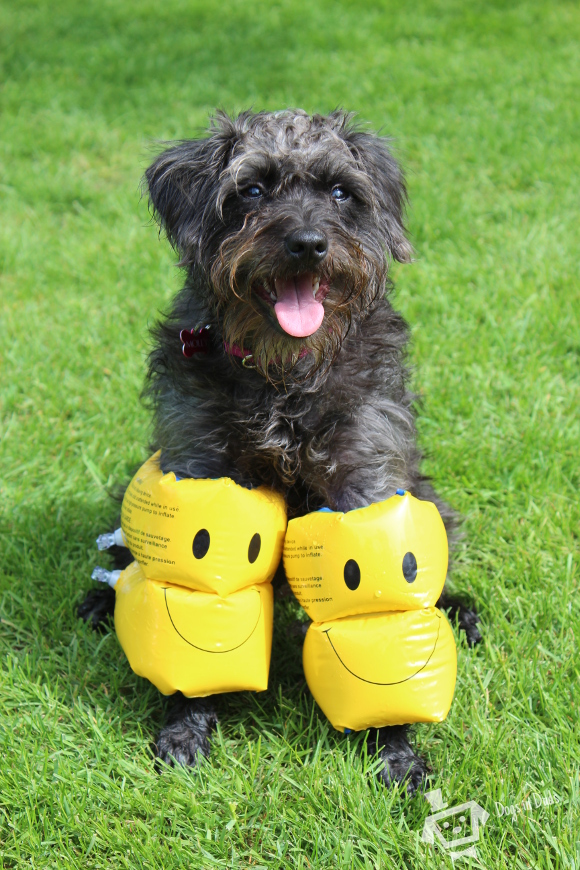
[482, 100]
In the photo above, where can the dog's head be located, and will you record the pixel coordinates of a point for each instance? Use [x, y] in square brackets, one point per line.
[291, 220]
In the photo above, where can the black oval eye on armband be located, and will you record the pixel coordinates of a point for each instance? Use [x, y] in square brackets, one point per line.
[201, 544]
[352, 574]
[254, 548]
[409, 567]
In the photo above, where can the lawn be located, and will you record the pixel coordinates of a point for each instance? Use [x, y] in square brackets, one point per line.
[482, 103]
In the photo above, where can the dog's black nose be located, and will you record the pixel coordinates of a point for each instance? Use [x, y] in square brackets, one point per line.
[307, 245]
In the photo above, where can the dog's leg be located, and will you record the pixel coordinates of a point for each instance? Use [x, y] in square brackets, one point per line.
[467, 618]
[401, 765]
[185, 735]
[365, 470]
[98, 605]
[190, 721]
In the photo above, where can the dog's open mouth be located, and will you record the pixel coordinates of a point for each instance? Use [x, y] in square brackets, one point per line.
[297, 302]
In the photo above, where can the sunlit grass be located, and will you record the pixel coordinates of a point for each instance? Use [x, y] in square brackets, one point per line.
[483, 104]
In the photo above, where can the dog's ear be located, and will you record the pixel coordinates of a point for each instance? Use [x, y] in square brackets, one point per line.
[183, 183]
[390, 193]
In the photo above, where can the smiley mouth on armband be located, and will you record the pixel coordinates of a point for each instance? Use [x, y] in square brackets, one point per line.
[225, 627]
[410, 676]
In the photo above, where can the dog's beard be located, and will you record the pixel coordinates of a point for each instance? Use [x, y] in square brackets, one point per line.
[242, 282]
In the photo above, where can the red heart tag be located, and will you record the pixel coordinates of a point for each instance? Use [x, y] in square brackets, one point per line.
[194, 341]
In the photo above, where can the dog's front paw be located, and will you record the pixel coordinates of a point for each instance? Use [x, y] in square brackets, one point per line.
[400, 762]
[467, 621]
[186, 735]
[466, 617]
[98, 607]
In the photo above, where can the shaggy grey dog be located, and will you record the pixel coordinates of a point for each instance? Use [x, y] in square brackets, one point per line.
[281, 362]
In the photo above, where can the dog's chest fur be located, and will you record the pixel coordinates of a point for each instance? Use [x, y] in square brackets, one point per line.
[307, 439]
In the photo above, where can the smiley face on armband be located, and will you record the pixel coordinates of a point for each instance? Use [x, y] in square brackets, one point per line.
[208, 535]
[390, 556]
[194, 642]
[382, 669]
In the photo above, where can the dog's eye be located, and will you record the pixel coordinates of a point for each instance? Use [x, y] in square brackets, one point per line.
[254, 548]
[352, 574]
[339, 194]
[252, 191]
[409, 567]
[201, 544]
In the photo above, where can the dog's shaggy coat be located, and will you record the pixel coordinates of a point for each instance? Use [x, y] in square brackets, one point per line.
[285, 225]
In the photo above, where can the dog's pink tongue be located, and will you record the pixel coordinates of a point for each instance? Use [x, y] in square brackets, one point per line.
[298, 312]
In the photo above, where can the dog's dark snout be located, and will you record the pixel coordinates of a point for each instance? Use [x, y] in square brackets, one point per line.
[307, 245]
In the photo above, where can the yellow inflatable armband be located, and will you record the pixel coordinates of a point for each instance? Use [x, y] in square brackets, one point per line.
[389, 556]
[198, 643]
[194, 611]
[210, 535]
[378, 651]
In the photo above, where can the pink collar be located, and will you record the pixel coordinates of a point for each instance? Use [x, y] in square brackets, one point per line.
[195, 341]
[236, 350]
[247, 356]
